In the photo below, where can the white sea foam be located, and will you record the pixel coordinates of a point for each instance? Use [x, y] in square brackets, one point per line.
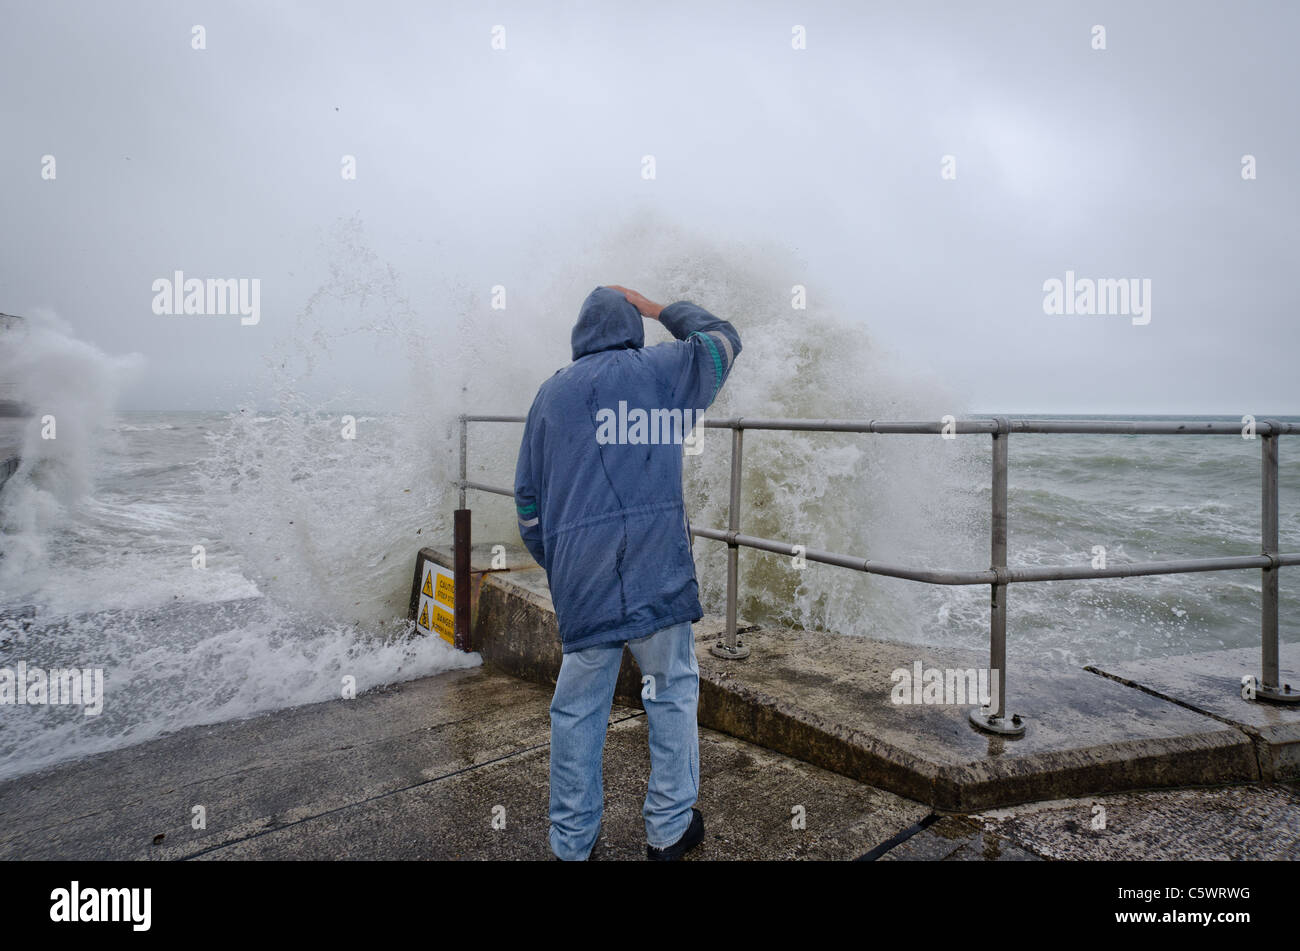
[307, 539]
[71, 388]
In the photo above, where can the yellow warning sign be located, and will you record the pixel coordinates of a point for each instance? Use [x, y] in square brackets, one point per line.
[444, 622]
[438, 602]
[446, 590]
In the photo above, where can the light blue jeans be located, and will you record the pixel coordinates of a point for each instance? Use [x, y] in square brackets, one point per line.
[580, 709]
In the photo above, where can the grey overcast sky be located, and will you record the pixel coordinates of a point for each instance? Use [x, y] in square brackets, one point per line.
[479, 166]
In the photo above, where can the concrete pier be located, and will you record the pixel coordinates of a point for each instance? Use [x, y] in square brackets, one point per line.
[420, 770]
[1211, 683]
[826, 699]
[11, 435]
[803, 756]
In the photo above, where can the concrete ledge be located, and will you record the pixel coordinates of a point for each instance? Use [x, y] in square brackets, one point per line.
[8, 466]
[1210, 683]
[826, 699]
[12, 426]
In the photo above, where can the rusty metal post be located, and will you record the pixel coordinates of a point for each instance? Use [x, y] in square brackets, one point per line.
[461, 545]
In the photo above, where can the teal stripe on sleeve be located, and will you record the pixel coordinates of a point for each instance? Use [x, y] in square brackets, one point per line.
[717, 362]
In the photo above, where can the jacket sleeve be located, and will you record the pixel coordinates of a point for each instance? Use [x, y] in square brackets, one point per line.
[698, 362]
[527, 491]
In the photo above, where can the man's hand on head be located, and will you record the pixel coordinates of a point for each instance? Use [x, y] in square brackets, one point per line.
[644, 305]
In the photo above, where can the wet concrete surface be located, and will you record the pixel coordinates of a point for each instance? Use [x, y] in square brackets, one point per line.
[456, 766]
[827, 699]
[1227, 823]
[1211, 684]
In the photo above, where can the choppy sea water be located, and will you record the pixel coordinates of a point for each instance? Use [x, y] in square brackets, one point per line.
[302, 582]
[306, 571]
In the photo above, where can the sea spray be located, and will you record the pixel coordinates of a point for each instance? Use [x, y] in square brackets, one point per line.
[70, 387]
[328, 497]
[229, 564]
[918, 500]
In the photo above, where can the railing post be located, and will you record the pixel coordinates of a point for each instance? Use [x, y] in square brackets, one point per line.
[464, 451]
[731, 648]
[461, 542]
[460, 570]
[995, 720]
[1270, 686]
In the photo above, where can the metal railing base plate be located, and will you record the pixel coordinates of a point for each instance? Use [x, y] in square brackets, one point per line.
[1277, 694]
[720, 649]
[981, 719]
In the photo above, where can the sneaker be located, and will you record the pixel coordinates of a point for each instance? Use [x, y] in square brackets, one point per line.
[693, 836]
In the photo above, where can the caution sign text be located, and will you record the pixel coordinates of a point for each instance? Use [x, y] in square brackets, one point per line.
[437, 602]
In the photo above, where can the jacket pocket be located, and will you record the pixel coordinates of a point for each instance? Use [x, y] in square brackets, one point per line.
[661, 558]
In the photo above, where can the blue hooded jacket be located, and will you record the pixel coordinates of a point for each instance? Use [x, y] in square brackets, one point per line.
[598, 484]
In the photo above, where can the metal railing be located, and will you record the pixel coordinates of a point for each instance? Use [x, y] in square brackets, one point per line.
[998, 576]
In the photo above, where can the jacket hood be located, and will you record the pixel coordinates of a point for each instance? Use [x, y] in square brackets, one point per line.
[607, 321]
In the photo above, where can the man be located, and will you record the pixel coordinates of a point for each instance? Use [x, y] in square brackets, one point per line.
[598, 487]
